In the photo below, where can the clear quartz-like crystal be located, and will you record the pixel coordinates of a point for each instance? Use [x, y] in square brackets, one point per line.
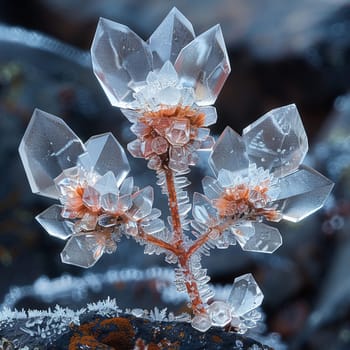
[245, 295]
[219, 313]
[170, 37]
[277, 141]
[120, 59]
[107, 154]
[53, 222]
[82, 250]
[201, 322]
[91, 198]
[229, 153]
[203, 211]
[153, 226]
[48, 147]
[210, 115]
[211, 187]
[179, 132]
[159, 145]
[178, 159]
[141, 203]
[134, 147]
[302, 193]
[204, 65]
[262, 238]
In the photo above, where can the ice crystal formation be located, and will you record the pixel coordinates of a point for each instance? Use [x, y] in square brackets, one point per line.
[166, 88]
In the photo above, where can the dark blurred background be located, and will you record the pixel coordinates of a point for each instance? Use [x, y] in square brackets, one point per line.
[281, 52]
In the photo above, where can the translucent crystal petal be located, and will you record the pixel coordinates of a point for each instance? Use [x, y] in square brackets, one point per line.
[106, 220]
[201, 322]
[178, 134]
[229, 153]
[141, 203]
[227, 178]
[262, 239]
[170, 37]
[120, 59]
[277, 141]
[47, 147]
[204, 65]
[153, 226]
[219, 313]
[208, 144]
[134, 147]
[127, 186]
[91, 198]
[203, 211]
[178, 159]
[110, 202]
[130, 114]
[82, 250]
[302, 193]
[53, 222]
[211, 187]
[245, 295]
[159, 145]
[107, 154]
[106, 184]
[210, 115]
[167, 75]
[88, 222]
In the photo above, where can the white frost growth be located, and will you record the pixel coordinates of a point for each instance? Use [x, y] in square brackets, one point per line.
[46, 324]
[106, 308]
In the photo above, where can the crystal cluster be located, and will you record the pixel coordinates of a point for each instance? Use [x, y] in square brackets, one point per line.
[165, 86]
[239, 310]
[259, 177]
[98, 202]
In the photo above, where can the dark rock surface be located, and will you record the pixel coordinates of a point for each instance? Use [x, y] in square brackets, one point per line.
[124, 332]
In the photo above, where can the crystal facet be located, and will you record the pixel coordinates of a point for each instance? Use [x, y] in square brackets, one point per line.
[203, 211]
[141, 203]
[120, 58]
[201, 322]
[82, 250]
[219, 313]
[245, 295]
[277, 141]
[48, 146]
[204, 65]
[229, 153]
[302, 193]
[107, 154]
[262, 239]
[53, 222]
[170, 37]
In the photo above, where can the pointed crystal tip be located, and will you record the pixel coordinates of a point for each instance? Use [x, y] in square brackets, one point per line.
[47, 148]
[120, 58]
[204, 65]
[277, 141]
[245, 295]
[82, 250]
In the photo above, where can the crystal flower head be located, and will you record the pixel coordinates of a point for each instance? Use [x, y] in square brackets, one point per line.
[239, 309]
[97, 202]
[259, 177]
[174, 67]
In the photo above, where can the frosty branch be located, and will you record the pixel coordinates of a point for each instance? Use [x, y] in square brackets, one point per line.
[166, 87]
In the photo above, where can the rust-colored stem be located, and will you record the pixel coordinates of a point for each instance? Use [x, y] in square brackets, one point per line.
[174, 207]
[158, 242]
